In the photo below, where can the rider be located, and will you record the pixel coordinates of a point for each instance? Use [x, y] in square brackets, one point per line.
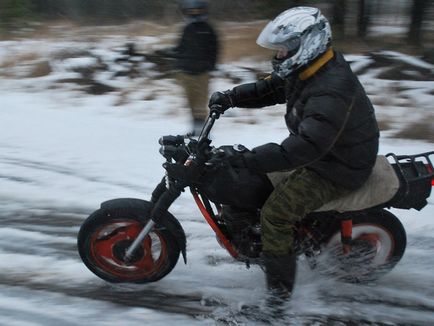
[333, 140]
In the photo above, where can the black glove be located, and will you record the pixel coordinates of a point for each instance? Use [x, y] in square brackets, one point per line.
[220, 101]
[200, 149]
[217, 160]
[186, 175]
[220, 159]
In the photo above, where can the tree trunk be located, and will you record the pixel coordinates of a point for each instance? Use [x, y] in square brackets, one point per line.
[417, 15]
[364, 17]
[339, 13]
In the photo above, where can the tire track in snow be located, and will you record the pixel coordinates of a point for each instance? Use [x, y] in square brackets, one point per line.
[190, 305]
[22, 236]
[50, 245]
[30, 165]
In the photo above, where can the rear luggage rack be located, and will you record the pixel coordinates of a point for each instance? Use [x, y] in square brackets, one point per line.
[415, 173]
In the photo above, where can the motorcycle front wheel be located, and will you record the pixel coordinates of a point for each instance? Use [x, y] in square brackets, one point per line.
[378, 244]
[104, 238]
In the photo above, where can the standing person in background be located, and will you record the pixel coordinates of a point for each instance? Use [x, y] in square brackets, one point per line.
[195, 56]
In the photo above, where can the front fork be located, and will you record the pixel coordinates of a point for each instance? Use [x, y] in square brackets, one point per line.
[162, 198]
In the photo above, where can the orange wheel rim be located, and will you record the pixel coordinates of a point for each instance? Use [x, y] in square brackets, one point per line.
[108, 245]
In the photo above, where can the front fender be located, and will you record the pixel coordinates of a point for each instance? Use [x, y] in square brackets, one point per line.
[145, 207]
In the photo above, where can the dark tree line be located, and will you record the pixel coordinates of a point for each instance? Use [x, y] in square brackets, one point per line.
[106, 8]
[13, 11]
[363, 16]
[83, 9]
[418, 15]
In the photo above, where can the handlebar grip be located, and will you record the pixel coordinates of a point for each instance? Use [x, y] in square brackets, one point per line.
[171, 140]
[215, 111]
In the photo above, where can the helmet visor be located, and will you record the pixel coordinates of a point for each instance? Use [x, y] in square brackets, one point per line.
[278, 38]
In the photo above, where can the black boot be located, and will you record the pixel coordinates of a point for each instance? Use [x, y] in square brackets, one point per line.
[280, 274]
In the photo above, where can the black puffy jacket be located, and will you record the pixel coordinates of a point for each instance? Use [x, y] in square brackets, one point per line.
[333, 129]
[197, 49]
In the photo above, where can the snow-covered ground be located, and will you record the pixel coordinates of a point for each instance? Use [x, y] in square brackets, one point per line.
[64, 151]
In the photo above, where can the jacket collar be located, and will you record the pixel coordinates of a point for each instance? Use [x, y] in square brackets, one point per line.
[317, 64]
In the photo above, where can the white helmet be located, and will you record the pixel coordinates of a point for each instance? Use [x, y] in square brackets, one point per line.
[301, 31]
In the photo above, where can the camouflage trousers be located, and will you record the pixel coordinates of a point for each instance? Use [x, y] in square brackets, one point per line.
[296, 195]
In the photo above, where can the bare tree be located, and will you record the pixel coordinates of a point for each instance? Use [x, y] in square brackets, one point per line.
[364, 17]
[339, 13]
[417, 16]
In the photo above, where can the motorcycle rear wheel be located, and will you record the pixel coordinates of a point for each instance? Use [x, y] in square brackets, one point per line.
[378, 244]
[104, 238]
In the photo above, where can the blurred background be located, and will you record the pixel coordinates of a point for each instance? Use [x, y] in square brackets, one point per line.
[360, 27]
[391, 44]
[373, 22]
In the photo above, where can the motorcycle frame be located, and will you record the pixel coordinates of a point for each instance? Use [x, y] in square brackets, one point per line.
[208, 215]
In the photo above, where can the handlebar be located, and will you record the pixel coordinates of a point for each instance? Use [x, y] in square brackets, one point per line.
[173, 147]
[209, 123]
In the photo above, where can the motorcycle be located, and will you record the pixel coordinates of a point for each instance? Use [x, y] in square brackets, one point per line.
[355, 240]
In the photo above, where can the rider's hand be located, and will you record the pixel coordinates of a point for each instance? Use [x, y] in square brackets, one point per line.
[217, 160]
[220, 101]
[220, 159]
[186, 175]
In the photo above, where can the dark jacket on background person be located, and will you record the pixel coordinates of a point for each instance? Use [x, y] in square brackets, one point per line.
[333, 129]
[197, 50]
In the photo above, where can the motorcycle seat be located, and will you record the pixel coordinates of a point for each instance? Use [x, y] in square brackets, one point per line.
[381, 187]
